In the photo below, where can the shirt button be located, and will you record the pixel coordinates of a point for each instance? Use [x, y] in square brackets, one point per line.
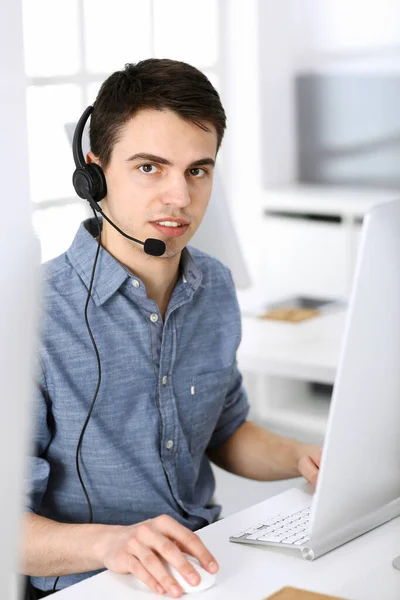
[169, 444]
[154, 318]
[136, 283]
[165, 380]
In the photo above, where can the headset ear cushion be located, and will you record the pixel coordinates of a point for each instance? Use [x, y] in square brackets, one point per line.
[98, 181]
[82, 183]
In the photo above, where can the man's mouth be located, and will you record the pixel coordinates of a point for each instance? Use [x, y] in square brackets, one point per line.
[173, 228]
[169, 223]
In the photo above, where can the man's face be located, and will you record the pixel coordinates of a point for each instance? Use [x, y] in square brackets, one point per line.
[159, 178]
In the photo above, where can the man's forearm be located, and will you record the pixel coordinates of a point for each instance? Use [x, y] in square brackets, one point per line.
[256, 453]
[50, 548]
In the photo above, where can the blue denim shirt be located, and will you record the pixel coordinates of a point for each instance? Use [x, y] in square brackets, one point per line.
[170, 390]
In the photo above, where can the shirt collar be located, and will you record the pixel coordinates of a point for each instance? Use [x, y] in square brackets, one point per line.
[110, 274]
[191, 272]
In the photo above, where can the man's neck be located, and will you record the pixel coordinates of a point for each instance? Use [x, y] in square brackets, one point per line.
[159, 275]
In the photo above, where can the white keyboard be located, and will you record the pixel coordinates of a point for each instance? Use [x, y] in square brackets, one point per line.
[282, 529]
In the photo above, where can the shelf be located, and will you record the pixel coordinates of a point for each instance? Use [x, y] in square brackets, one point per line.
[326, 200]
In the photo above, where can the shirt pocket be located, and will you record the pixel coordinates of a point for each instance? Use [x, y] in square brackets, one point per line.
[208, 393]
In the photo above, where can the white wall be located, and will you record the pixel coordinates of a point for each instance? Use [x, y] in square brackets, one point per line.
[241, 150]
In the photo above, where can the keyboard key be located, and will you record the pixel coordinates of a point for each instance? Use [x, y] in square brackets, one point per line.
[256, 535]
[302, 541]
[238, 536]
[249, 530]
[295, 531]
[270, 538]
[293, 539]
[286, 529]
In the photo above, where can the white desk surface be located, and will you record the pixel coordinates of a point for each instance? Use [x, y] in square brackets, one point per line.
[308, 350]
[359, 570]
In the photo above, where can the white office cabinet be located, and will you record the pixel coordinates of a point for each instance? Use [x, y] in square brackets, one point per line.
[310, 238]
[304, 257]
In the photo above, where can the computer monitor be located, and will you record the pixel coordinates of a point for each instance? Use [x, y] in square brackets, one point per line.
[19, 263]
[360, 465]
[217, 234]
[358, 485]
[19, 270]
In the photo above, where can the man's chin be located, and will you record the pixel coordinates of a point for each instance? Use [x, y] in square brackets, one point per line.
[171, 252]
[173, 247]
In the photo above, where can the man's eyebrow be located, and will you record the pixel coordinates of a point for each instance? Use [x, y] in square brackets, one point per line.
[149, 157]
[164, 161]
[201, 162]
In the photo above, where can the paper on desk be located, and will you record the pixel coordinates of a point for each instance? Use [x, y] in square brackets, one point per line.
[289, 593]
[290, 315]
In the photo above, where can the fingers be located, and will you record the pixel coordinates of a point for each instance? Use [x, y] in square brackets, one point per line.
[187, 541]
[144, 547]
[151, 536]
[316, 455]
[137, 569]
[309, 469]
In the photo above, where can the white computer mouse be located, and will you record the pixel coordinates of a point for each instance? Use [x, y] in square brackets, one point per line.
[206, 579]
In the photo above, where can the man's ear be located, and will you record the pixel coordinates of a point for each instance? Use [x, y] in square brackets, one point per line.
[92, 158]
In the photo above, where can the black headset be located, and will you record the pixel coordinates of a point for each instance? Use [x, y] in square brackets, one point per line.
[90, 184]
[88, 179]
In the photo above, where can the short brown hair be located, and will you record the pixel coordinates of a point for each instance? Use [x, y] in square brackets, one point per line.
[159, 84]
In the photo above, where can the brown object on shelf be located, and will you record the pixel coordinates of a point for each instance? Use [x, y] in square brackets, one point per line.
[289, 593]
[292, 315]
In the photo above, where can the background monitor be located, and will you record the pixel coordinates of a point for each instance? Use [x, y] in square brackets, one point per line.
[348, 128]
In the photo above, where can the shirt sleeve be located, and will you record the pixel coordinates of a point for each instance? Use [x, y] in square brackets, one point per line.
[38, 468]
[234, 413]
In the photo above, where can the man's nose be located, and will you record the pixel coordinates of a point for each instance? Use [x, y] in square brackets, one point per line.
[176, 193]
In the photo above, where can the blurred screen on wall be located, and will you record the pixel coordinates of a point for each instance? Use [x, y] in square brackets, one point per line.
[348, 129]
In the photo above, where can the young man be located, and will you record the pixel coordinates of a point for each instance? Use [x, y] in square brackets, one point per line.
[167, 330]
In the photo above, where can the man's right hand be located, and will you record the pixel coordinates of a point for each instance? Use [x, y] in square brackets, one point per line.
[141, 549]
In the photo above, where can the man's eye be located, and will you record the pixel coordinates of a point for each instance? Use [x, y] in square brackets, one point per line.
[197, 172]
[148, 168]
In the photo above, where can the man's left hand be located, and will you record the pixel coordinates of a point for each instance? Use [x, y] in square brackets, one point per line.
[309, 462]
